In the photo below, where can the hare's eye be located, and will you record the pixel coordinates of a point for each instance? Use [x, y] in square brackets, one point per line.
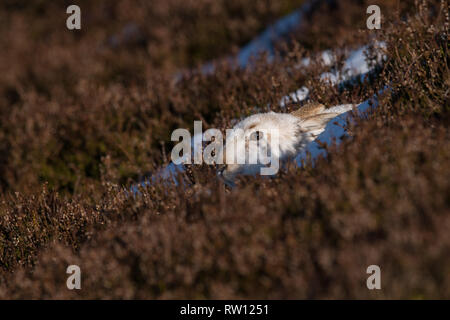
[256, 136]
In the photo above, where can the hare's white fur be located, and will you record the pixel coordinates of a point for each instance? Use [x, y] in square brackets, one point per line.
[295, 131]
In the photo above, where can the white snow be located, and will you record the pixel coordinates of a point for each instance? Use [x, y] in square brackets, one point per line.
[266, 40]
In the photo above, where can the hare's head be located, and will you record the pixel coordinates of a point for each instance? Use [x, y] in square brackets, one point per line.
[257, 144]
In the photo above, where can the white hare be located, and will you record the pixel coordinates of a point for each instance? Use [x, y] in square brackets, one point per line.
[295, 130]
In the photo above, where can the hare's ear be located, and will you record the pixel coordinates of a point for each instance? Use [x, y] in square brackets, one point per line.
[315, 125]
[308, 110]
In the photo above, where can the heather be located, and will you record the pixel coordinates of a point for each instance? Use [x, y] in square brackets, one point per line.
[84, 115]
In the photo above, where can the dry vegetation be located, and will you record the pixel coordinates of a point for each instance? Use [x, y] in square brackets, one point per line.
[83, 114]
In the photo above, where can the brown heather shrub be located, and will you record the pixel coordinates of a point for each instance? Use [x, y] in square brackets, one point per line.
[382, 197]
